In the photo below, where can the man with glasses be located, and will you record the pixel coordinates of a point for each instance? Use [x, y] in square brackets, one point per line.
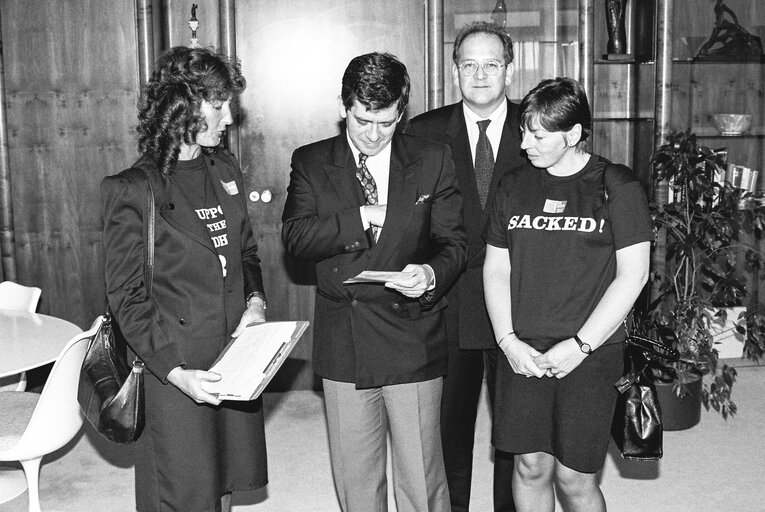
[377, 200]
[482, 131]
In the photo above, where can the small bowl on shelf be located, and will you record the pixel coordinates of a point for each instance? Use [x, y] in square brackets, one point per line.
[732, 124]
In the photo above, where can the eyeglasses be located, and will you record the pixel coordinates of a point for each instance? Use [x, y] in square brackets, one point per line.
[490, 67]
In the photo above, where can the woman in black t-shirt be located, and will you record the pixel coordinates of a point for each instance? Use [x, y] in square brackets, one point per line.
[567, 255]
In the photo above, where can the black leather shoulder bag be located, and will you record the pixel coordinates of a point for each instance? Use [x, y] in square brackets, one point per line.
[111, 390]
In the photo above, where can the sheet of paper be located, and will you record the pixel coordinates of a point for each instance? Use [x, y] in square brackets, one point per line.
[250, 361]
[377, 276]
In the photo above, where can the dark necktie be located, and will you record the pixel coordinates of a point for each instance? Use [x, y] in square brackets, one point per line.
[484, 162]
[367, 184]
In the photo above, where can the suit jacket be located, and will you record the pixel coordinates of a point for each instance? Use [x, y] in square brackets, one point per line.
[469, 321]
[368, 334]
[192, 309]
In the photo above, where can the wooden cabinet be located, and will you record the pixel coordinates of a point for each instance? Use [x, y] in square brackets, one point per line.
[623, 98]
[701, 88]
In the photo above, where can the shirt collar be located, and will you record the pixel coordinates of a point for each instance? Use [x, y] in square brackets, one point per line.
[497, 117]
[383, 155]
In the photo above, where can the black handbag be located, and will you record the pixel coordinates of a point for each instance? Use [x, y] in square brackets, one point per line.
[636, 428]
[110, 392]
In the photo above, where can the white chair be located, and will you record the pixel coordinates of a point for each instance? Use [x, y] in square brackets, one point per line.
[33, 425]
[22, 298]
[19, 297]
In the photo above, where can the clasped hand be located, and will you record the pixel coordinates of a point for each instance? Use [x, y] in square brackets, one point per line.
[557, 362]
[561, 359]
[521, 357]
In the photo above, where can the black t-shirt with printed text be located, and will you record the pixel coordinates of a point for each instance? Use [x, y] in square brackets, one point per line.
[192, 178]
[562, 241]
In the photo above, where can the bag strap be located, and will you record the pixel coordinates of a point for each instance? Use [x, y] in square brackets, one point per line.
[149, 222]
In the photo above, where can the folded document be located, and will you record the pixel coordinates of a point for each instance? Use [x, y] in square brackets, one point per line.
[250, 361]
[377, 276]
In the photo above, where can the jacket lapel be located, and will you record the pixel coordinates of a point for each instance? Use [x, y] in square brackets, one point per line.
[462, 154]
[179, 213]
[510, 139]
[506, 160]
[341, 173]
[231, 205]
[402, 194]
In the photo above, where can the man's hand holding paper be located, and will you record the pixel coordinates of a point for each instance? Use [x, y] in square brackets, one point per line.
[415, 280]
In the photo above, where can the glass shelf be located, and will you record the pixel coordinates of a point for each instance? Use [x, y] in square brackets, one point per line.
[706, 133]
[629, 61]
[689, 61]
[639, 119]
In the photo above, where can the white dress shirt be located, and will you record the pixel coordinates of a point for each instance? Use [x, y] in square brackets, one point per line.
[379, 168]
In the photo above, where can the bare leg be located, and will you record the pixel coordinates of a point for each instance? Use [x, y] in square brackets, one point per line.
[533, 489]
[579, 492]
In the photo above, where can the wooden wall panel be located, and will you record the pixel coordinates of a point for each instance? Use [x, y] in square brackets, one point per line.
[293, 54]
[71, 99]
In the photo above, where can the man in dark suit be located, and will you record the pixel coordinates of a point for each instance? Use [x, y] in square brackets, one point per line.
[483, 152]
[374, 199]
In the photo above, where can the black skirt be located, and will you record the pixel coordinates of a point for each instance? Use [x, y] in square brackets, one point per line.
[190, 454]
[569, 418]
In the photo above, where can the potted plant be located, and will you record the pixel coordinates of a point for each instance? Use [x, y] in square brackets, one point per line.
[708, 227]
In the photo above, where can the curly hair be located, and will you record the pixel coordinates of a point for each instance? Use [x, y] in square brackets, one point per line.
[169, 111]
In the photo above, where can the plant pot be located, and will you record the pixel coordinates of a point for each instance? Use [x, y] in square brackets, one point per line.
[679, 413]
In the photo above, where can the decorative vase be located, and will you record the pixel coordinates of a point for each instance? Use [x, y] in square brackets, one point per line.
[617, 35]
[679, 413]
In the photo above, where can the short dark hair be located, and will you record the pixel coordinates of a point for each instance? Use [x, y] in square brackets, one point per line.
[557, 104]
[169, 110]
[377, 81]
[483, 27]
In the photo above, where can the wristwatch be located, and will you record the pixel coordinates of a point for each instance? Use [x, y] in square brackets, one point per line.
[584, 347]
[259, 295]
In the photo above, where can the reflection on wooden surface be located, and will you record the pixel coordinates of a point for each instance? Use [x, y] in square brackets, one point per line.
[71, 82]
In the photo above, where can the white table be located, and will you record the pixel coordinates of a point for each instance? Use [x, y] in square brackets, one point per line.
[27, 340]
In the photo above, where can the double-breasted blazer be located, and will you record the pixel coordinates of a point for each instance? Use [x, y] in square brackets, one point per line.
[469, 321]
[189, 454]
[366, 333]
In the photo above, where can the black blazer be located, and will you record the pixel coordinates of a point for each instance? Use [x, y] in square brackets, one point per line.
[469, 321]
[368, 334]
[192, 310]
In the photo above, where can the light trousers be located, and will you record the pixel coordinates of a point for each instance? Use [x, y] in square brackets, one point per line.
[358, 422]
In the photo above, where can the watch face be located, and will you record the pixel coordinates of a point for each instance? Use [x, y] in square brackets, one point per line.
[586, 348]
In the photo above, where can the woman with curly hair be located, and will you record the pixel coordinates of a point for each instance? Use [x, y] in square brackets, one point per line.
[207, 285]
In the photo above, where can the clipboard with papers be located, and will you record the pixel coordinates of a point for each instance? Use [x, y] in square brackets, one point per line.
[249, 362]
